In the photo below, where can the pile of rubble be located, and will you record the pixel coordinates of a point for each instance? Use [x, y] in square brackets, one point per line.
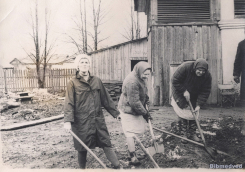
[8, 101]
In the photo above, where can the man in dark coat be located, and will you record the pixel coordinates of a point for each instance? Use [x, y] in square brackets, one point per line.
[191, 81]
[239, 68]
[85, 96]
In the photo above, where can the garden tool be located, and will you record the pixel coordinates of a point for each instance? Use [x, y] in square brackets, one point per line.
[80, 141]
[211, 151]
[146, 152]
[200, 144]
[158, 148]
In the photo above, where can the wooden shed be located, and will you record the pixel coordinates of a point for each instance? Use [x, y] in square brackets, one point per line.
[184, 30]
[116, 62]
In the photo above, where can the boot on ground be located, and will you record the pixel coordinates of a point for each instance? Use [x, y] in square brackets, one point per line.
[134, 159]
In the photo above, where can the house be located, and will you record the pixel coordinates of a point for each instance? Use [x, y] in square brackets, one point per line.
[183, 30]
[58, 61]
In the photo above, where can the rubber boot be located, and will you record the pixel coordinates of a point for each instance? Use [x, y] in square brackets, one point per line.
[111, 156]
[82, 155]
[192, 131]
[183, 129]
[134, 159]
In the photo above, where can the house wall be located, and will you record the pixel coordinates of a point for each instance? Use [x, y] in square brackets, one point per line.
[114, 64]
[172, 45]
[232, 32]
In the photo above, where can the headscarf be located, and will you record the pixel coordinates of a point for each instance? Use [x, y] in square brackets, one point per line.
[201, 63]
[80, 57]
[141, 67]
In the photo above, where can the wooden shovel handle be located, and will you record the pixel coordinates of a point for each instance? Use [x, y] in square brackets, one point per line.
[197, 122]
[151, 130]
[146, 152]
[86, 147]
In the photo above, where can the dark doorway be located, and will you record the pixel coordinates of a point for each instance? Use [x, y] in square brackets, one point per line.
[134, 62]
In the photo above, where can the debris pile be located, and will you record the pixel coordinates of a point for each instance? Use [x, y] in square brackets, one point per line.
[7, 102]
[114, 89]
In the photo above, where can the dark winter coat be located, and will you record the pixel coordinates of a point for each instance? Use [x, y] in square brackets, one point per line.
[134, 91]
[239, 67]
[83, 103]
[184, 79]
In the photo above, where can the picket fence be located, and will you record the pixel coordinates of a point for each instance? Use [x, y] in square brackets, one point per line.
[21, 80]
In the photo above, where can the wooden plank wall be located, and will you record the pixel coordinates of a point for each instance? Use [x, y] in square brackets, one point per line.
[114, 64]
[175, 44]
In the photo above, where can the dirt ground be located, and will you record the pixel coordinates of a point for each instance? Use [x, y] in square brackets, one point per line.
[49, 146]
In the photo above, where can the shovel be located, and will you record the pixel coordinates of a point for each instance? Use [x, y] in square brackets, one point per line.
[80, 141]
[200, 144]
[158, 148]
[146, 151]
[211, 151]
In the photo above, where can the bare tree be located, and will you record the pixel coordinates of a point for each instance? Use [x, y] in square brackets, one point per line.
[80, 40]
[133, 31]
[99, 15]
[40, 57]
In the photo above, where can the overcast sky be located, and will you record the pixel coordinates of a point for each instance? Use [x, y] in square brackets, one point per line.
[15, 31]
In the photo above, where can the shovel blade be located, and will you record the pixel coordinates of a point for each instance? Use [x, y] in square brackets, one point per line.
[151, 151]
[159, 148]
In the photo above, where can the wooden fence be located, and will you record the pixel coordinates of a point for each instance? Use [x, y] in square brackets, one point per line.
[20, 80]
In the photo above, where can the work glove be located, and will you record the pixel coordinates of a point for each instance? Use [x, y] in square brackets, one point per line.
[187, 95]
[147, 117]
[197, 109]
[237, 79]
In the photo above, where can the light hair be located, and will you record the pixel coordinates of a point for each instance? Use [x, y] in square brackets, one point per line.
[80, 57]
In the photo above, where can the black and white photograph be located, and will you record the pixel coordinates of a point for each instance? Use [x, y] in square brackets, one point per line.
[122, 85]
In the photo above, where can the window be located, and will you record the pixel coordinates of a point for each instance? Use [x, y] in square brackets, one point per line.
[175, 11]
[134, 62]
[239, 8]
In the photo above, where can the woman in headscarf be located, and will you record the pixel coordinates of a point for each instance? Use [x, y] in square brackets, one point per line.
[85, 96]
[191, 81]
[132, 105]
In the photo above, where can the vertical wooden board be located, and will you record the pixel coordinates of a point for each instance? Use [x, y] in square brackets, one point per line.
[126, 53]
[215, 57]
[123, 61]
[108, 65]
[194, 42]
[24, 79]
[171, 44]
[110, 60]
[186, 39]
[119, 64]
[191, 43]
[128, 58]
[166, 61]
[112, 65]
[156, 85]
[204, 41]
[199, 42]
[209, 43]
[160, 64]
[176, 52]
[181, 40]
[115, 66]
